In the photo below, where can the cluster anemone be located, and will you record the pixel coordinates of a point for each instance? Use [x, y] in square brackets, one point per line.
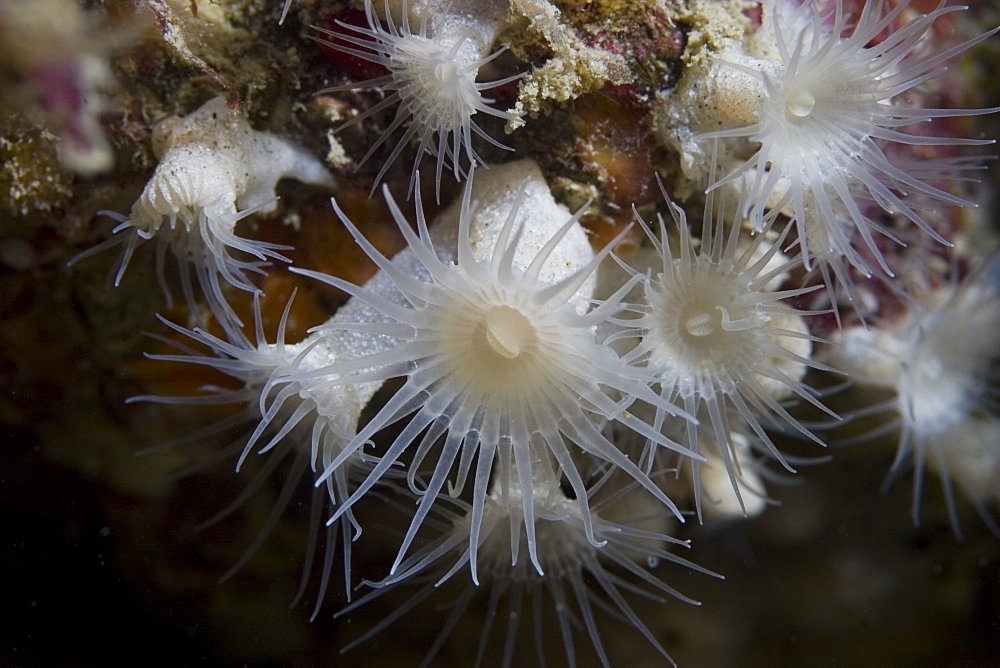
[493, 327]
[835, 102]
[214, 171]
[720, 340]
[540, 409]
[499, 364]
[432, 76]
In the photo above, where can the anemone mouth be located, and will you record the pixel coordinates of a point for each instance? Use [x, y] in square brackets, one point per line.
[506, 332]
[435, 75]
[800, 105]
[701, 322]
[497, 350]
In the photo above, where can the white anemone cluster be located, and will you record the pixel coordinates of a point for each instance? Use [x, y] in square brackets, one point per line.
[501, 364]
[489, 317]
[513, 400]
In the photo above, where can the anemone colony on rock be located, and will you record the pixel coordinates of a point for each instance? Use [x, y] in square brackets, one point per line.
[535, 397]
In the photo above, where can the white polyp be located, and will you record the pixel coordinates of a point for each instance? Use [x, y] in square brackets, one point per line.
[329, 344]
[724, 501]
[972, 458]
[478, 20]
[722, 86]
[868, 354]
[832, 111]
[433, 54]
[721, 341]
[494, 195]
[938, 363]
[213, 170]
[795, 346]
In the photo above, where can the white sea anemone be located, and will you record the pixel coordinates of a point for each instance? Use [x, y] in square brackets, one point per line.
[432, 76]
[296, 426]
[579, 578]
[295, 414]
[499, 364]
[214, 170]
[720, 340]
[939, 362]
[829, 111]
